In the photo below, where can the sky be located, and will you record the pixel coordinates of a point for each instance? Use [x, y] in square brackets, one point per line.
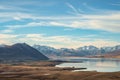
[60, 23]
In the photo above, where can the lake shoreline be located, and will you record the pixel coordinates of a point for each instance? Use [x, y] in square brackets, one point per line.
[46, 70]
[94, 64]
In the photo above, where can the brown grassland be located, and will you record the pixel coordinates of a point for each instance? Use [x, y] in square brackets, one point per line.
[46, 71]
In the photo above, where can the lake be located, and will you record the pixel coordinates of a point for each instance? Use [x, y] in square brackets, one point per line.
[93, 64]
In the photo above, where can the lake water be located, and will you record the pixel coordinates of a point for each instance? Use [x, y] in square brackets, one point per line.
[93, 64]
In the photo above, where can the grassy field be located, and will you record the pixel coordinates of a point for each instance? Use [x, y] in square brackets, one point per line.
[47, 71]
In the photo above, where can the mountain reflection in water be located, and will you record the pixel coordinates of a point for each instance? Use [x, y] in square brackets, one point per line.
[94, 64]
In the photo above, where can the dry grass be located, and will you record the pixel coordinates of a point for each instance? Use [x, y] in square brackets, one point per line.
[42, 71]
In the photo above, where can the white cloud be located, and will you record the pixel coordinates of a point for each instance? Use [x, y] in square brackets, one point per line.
[91, 8]
[75, 11]
[17, 18]
[55, 41]
[6, 31]
[10, 8]
[106, 22]
[68, 42]
[5, 36]
[28, 3]
[34, 35]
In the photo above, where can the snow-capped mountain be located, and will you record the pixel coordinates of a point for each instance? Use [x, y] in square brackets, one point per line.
[81, 51]
[89, 48]
[46, 50]
[110, 49]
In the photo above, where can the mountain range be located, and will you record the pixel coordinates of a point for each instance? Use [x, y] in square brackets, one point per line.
[20, 52]
[24, 52]
[81, 51]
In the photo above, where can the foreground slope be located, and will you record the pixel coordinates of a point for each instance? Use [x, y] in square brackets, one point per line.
[20, 52]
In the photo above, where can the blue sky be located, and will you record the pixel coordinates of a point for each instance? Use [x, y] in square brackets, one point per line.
[60, 23]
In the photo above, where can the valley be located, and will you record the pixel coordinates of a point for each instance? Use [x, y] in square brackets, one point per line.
[23, 62]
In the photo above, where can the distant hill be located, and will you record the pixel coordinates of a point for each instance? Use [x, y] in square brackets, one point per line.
[20, 52]
[113, 54]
